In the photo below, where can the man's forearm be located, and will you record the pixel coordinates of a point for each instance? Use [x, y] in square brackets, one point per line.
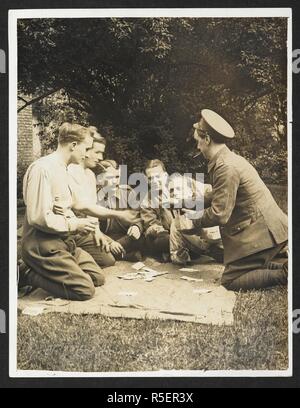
[98, 211]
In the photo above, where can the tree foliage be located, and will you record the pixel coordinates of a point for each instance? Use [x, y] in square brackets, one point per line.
[143, 82]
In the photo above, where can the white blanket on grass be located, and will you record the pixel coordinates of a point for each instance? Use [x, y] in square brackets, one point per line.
[167, 297]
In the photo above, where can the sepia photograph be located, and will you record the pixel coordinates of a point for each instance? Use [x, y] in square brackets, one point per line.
[150, 187]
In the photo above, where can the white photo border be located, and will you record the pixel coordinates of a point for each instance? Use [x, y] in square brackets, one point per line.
[14, 15]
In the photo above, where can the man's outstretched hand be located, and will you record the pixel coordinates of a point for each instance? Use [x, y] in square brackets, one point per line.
[191, 215]
[117, 249]
[129, 217]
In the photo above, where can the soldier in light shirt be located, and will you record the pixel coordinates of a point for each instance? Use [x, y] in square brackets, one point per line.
[49, 245]
[56, 264]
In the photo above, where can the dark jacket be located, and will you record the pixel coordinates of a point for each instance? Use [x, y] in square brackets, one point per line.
[161, 217]
[243, 207]
[120, 203]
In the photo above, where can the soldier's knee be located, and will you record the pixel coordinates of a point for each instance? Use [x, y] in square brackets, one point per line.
[84, 290]
[175, 226]
[227, 286]
[236, 286]
[108, 261]
[86, 293]
[100, 280]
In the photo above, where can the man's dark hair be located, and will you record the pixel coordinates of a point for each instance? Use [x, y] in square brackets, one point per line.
[216, 138]
[155, 163]
[96, 135]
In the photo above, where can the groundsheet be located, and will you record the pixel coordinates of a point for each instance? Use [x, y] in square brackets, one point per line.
[189, 296]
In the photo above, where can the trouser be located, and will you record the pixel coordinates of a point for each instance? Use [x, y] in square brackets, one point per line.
[118, 234]
[159, 244]
[196, 245]
[59, 267]
[128, 243]
[254, 271]
[87, 243]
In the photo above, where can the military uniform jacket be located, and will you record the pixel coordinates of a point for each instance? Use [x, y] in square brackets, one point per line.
[161, 217]
[120, 203]
[243, 207]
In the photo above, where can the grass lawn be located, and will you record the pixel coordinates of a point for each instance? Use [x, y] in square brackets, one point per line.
[257, 340]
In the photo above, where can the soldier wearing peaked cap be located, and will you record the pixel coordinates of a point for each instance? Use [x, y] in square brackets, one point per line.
[254, 229]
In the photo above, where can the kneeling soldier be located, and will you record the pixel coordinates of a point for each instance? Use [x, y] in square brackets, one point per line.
[49, 248]
[254, 229]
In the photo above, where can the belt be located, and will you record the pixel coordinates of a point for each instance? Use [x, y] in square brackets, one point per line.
[71, 244]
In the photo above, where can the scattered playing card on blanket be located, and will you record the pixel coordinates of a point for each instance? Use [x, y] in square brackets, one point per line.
[189, 270]
[129, 276]
[51, 301]
[187, 278]
[152, 271]
[202, 291]
[138, 266]
[156, 274]
[147, 276]
[127, 294]
[33, 310]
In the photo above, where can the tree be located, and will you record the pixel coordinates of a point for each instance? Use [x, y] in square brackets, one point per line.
[144, 81]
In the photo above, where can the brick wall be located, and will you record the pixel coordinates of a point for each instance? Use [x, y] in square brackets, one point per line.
[25, 136]
[29, 145]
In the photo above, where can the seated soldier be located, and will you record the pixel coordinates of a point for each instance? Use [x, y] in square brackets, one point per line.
[185, 247]
[84, 189]
[83, 184]
[157, 219]
[125, 241]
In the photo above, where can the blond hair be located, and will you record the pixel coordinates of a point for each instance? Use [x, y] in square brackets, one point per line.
[68, 133]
